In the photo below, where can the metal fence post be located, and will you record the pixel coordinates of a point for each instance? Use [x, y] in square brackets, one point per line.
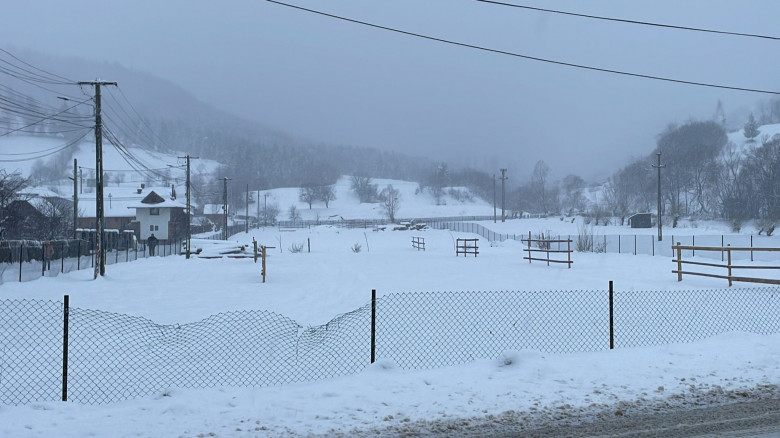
[611, 317]
[21, 248]
[373, 325]
[65, 318]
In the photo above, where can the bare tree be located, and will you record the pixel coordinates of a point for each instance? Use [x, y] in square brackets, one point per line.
[326, 194]
[308, 194]
[11, 184]
[57, 218]
[391, 201]
[363, 188]
[293, 214]
[539, 183]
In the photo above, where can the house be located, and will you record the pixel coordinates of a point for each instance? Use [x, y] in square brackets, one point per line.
[21, 220]
[165, 218]
[215, 213]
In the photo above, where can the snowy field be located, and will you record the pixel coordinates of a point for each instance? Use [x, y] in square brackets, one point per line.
[525, 387]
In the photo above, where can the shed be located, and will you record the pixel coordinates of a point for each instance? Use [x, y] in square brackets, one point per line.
[641, 220]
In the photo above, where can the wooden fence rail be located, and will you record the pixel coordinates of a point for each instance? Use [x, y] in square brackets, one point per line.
[466, 247]
[728, 265]
[545, 246]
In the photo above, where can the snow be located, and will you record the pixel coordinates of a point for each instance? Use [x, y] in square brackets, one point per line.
[523, 387]
[517, 387]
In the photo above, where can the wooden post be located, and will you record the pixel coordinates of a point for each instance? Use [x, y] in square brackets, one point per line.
[262, 248]
[529, 247]
[254, 243]
[568, 252]
[547, 246]
[679, 262]
[751, 250]
[728, 263]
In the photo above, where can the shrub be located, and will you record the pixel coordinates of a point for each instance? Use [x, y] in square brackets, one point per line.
[296, 248]
[356, 248]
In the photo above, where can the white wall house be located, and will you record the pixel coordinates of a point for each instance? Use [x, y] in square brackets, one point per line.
[154, 215]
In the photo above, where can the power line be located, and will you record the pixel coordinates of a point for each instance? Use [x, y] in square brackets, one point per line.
[532, 58]
[50, 151]
[621, 20]
[48, 117]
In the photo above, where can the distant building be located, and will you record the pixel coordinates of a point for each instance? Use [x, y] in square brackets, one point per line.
[166, 219]
[641, 220]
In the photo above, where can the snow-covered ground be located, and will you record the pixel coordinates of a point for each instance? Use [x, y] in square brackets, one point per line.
[520, 387]
[516, 387]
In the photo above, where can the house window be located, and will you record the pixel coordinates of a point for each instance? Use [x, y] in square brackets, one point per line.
[154, 211]
[151, 227]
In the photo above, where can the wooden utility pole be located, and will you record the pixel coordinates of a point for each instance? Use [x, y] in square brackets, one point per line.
[494, 198]
[503, 194]
[246, 222]
[189, 205]
[659, 166]
[225, 207]
[100, 250]
[75, 198]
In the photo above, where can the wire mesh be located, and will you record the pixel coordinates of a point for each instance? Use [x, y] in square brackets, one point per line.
[30, 351]
[114, 357]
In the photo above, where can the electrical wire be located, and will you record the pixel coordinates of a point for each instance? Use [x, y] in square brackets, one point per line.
[50, 151]
[644, 23]
[531, 58]
[51, 117]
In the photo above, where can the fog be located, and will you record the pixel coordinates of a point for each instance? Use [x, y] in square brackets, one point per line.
[333, 81]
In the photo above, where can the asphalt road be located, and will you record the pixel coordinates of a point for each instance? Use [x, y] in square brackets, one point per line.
[753, 413]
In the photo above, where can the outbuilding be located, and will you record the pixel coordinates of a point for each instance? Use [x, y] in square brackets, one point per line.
[641, 220]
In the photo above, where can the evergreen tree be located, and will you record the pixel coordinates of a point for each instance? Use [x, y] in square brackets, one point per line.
[751, 130]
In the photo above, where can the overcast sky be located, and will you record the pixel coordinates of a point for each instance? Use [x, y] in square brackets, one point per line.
[337, 82]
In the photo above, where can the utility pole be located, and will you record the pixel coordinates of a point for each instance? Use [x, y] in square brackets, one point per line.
[265, 213]
[503, 194]
[75, 199]
[189, 205]
[246, 222]
[100, 250]
[494, 198]
[659, 166]
[225, 207]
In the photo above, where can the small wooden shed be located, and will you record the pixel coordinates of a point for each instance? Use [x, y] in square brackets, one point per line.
[641, 220]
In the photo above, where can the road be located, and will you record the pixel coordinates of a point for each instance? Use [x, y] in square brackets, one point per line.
[754, 413]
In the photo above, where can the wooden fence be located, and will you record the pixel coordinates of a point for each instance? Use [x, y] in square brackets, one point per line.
[466, 247]
[544, 245]
[418, 243]
[727, 250]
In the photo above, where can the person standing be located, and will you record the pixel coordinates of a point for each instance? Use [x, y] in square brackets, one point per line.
[152, 243]
[48, 252]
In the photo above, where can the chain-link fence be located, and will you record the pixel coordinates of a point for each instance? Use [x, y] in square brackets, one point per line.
[26, 260]
[647, 244]
[108, 357]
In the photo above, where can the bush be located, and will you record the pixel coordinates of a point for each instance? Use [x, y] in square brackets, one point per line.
[296, 248]
[543, 242]
[586, 241]
[356, 248]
